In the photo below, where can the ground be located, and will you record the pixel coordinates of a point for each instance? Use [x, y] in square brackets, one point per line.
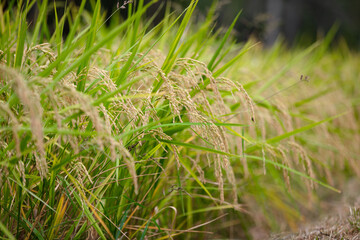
[341, 221]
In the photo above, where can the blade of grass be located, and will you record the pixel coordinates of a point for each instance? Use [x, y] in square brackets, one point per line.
[135, 43]
[171, 56]
[143, 235]
[313, 97]
[222, 43]
[217, 208]
[60, 213]
[31, 193]
[20, 45]
[84, 65]
[58, 30]
[244, 50]
[41, 19]
[6, 232]
[74, 26]
[86, 210]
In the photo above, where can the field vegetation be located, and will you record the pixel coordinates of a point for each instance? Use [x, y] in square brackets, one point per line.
[125, 130]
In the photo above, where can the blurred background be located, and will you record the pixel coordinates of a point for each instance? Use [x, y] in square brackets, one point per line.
[298, 22]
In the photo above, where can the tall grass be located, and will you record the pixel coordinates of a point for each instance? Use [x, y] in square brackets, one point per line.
[133, 131]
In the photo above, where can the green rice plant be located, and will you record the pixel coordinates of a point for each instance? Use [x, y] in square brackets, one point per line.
[133, 132]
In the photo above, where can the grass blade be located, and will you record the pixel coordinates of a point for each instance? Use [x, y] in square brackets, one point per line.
[89, 43]
[40, 21]
[223, 41]
[6, 232]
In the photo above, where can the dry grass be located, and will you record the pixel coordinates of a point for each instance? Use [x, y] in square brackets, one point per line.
[334, 227]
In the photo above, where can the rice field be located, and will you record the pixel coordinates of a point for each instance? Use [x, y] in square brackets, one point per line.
[126, 130]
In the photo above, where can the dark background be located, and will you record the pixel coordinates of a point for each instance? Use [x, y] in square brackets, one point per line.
[297, 21]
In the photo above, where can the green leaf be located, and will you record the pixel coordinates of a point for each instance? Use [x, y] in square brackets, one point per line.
[41, 19]
[21, 36]
[6, 232]
[89, 43]
[223, 41]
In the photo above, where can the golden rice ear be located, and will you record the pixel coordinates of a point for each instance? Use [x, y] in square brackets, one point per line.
[176, 89]
[32, 104]
[306, 163]
[239, 87]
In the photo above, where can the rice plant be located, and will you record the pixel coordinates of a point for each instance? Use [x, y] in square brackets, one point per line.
[123, 130]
